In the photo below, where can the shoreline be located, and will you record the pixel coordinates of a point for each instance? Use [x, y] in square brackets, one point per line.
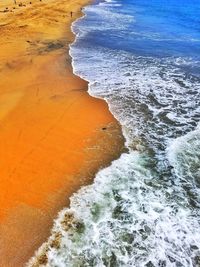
[51, 128]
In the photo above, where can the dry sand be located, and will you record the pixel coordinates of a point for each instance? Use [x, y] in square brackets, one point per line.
[52, 139]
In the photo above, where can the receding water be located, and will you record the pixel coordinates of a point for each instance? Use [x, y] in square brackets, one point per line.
[143, 58]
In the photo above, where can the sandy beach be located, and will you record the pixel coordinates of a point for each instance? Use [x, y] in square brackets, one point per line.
[54, 137]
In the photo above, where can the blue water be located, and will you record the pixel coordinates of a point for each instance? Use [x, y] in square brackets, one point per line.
[143, 58]
[153, 28]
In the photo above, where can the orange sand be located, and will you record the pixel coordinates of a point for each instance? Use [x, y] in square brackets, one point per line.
[51, 136]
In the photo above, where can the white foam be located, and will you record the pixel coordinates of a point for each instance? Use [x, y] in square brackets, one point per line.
[184, 155]
[127, 222]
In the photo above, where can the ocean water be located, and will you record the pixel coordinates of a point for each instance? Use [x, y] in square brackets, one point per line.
[143, 58]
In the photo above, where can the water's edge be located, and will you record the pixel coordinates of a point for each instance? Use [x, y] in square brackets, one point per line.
[84, 78]
[40, 255]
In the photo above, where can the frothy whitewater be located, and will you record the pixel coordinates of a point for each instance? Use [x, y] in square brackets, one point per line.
[143, 210]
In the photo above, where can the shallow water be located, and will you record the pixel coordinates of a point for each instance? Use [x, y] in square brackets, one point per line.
[143, 58]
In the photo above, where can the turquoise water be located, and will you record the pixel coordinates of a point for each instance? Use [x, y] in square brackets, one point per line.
[143, 58]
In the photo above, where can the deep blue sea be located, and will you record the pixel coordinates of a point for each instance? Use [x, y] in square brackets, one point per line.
[143, 58]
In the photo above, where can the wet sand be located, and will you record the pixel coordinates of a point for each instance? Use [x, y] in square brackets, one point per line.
[53, 136]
